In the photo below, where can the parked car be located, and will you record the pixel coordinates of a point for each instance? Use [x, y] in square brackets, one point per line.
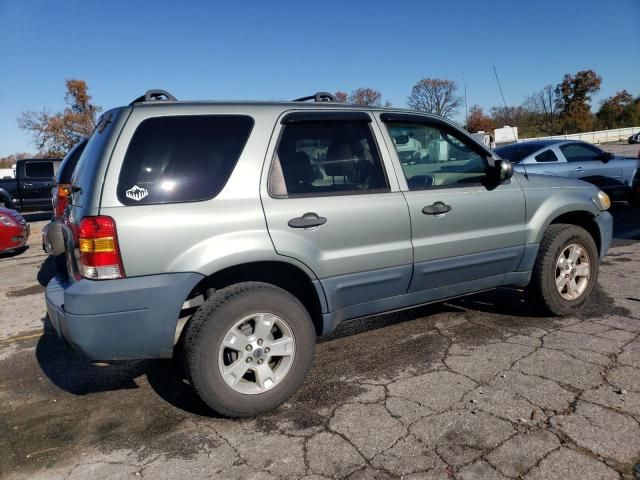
[218, 206]
[635, 138]
[31, 189]
[14, 231]
[6, 199]
[52, 241]
[619, 177]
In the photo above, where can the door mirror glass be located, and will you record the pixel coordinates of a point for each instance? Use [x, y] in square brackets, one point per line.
[505, 169]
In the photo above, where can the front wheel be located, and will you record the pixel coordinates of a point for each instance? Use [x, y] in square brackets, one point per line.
[565, 271]
[248, 348]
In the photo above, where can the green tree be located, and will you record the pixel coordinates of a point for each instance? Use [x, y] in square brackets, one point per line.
[573, 100]
[55, 133]
[619, 110]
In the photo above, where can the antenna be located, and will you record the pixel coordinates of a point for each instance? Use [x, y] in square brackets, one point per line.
[466, 109]
[506, 112]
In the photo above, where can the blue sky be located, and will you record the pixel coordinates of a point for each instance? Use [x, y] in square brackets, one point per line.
[281, 50]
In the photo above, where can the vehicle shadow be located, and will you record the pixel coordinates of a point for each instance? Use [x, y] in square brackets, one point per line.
[74, 373]
[50, 268]
[626, 223]
[14, 253]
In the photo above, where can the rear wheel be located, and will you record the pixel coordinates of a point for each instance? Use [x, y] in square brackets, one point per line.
[565, 271]
[248, 348]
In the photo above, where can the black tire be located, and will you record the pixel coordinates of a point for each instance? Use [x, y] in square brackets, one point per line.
[208, 327]
[542, 290]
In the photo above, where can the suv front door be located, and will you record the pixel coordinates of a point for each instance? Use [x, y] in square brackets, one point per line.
[330, 204]
[468, 230]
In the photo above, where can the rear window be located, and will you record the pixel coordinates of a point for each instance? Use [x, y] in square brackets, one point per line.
[516, 151]
[38, 169]
[181, 158]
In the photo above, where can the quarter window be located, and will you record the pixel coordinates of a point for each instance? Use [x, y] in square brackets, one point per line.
[326, 158]
[436, 156]
[181, 158]
[38, 169]
[547, 156]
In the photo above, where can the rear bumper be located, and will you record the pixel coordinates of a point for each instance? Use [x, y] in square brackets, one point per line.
[130, 318]
[605, 225]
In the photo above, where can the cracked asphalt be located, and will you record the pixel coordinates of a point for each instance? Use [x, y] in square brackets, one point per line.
[477, 388]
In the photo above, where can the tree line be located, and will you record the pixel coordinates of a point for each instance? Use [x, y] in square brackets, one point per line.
[552, 110]
[559, 109]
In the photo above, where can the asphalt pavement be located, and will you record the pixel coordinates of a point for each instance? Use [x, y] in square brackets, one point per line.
[481, 387]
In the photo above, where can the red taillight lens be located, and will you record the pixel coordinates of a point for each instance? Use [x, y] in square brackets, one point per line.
[99, 251]
[61, 200]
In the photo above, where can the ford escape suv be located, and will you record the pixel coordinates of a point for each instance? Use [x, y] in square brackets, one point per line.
[238, 232]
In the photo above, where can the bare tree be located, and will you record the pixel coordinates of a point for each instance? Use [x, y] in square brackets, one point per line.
[341, 97]
[435, 95]
[541, 107]
[54, 134]
[366, 97]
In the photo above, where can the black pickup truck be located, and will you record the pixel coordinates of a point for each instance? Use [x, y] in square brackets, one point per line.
[31, 189]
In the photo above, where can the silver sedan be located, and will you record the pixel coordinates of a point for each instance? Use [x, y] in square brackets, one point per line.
[618, 176]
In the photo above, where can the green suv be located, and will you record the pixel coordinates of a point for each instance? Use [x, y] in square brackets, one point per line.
[237, 232]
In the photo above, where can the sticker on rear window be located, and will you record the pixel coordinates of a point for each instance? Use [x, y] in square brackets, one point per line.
[136, 193]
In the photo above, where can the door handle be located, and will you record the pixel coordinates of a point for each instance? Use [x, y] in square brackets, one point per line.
[308, 220]
[438, 208]
[578, 169]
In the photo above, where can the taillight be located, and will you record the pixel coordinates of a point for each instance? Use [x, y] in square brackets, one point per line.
[61, 200]
[99, 251]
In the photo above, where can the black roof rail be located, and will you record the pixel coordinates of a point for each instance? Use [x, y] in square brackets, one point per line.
[156, 95]
[318, 97]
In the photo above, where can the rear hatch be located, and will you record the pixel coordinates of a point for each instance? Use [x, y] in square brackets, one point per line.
[87, 180]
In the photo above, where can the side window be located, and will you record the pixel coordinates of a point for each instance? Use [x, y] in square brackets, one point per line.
[326, 158]
[547, 156]
[577, 152]
[181, 158]
[435, 156]
[38, 169]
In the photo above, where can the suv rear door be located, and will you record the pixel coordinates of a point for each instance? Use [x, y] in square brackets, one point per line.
[332, 201]
[468, 232]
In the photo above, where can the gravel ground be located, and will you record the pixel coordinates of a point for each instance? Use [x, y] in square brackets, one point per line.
[476, 388]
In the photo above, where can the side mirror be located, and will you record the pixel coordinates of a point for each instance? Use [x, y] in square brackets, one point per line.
[606, 156]
[504, 169]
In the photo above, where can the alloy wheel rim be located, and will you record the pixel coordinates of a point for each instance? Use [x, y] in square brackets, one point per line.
[256, 353]
[573, 271]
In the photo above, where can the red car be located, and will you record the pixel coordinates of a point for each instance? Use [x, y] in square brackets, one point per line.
[14, 230]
